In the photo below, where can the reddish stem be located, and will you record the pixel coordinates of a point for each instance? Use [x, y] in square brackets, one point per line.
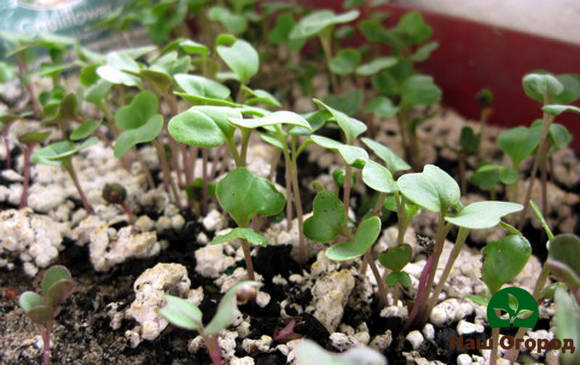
[26, 184]
[421, 292]
[213, 348]
[67, 164]
[46, 345]
[127, 209]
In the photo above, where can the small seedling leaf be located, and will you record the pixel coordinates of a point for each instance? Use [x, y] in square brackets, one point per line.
[85, 130]
[422, 53]
[395, 258]
[540, 85]
[243, 195]
[519, 142]
[52, 154]
[382, 107]
[59, 292]
[567, 320]
[504, 259]
[138, 112]
[29, 300]
[195, 128]
[393, 162]
[352, 155]
[226, 311]
[53, 275]
[328, 219]
[276, 118]
[345, 62]
[181, 313]
[432, 189]
[366, 235]
[242, 233]
[145, 133]
[481, 215]
[376, 66]
[378, 178]
[398, 277]
[196, 85]
[563, 259]
[260, 96]
[241, 58]
[555, 109]
[420, 90]
[351, 127]
[33, 137]
[315, 22]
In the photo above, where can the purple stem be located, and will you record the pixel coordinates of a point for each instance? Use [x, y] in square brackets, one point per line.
[213, 348]
[46, 345]
[421, 292]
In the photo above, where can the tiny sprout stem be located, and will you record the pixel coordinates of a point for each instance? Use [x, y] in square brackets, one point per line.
[287, 176]
[127, 209]
[246, 133]
[485, 112]
[347, 185]
[45, 344]
[381, 284]
[298, 202]
[377, 209]
[402, 123]
[167, 180]
[213, 349]
[274, 165]
[462, 178]
[27, 84]
[68, 166]
[421, 293]
[26, 183]
[326, 41]
[539, 158]
[495, 346]
[460, 240]
[402, 221]
[248, 259]
[204, 155]
[233, 150]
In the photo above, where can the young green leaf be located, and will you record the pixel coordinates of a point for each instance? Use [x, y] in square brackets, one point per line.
[481, 215]
[556, 109]
[315, 22]
[276, 118]
[203, 126]
[398, 277]
[308, 350]
[504, 259]
[241, 58]
[141, 134]
[413, 28]
[393, 162]
[328, 218]
[376, 66]
[563, 259]
[232, 22]
[259, 96]
[468, 140]
[85, 130]
[53, 275]
[243, 195]
[365, 236]
[352, 155]
[422, 53]
[29, 300]
[432, 189]
[519, 142]
[33, 137]
[345, 62]
[242, 233]
[351, 127]
[378, 178]
[226, 311]
[539, 86]
[143, 106]
[53, 154]
[181, 313]
[382, 107]
[348, 104]
[202, 87]
[420, 90]
[395, 258]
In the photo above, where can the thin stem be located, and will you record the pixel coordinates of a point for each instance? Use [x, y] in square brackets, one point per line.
[326, 42]
[26, 183]
[167, 180]
[485, 112]
[248, 259]
[381, 284]
[378, 208]
[46, 345]
[421, 293]
[27, 84]
[213, 348]
[288, 178]
[298, 202]
[246, 133]
[495, 347]
[459, 241]
[462, 178]
[7, 146]
[235, 155]
[68, 166]
[544, 183]
[147, 172]
[540, 156]
[347, 185]
[127, 209]
[274, 165]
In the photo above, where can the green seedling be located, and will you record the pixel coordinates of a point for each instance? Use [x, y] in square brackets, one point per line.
[240, 57]
[321, 23]
[395, 259]
[468, 145]
[29, 140]
[434, 190]
[308, 351]
[116, 194]
[57, 286]
[553, 94]
[59, 154]
[182, 313]
[61, 111]
[487, 176]
[484, 98]
[244, 196]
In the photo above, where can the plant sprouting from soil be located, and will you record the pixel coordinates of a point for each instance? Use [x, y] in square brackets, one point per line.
[484, 98]
[182, 313]
[57, 286]
[115, 193]
[59, 154]
[308, 351]
[29, 140]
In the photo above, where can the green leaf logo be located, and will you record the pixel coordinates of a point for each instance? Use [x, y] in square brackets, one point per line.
[512, 307]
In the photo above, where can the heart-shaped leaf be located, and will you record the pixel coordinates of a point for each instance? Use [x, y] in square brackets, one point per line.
[382, 107]
[376, 66]
[393, 162]
[53, 275]
[432, 189]
[351, 127]
[413, 28]
[481, 215]
[345, 62]
[352, 155]
[85, 130]
[181, 313]
[540, 85]
[226, 311]
[395, 258]
[365, 236]
[328, 218]
[378, 178]
[243, 195]
[242, 233]
[420, 90]
[315, 22]
[563, 259]
[519, 142]
[134, 115]
[144, 133]
[203, 126]
[504, 259]
[398, 277]
[468, 140]
[241, 58]
[232, 22]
